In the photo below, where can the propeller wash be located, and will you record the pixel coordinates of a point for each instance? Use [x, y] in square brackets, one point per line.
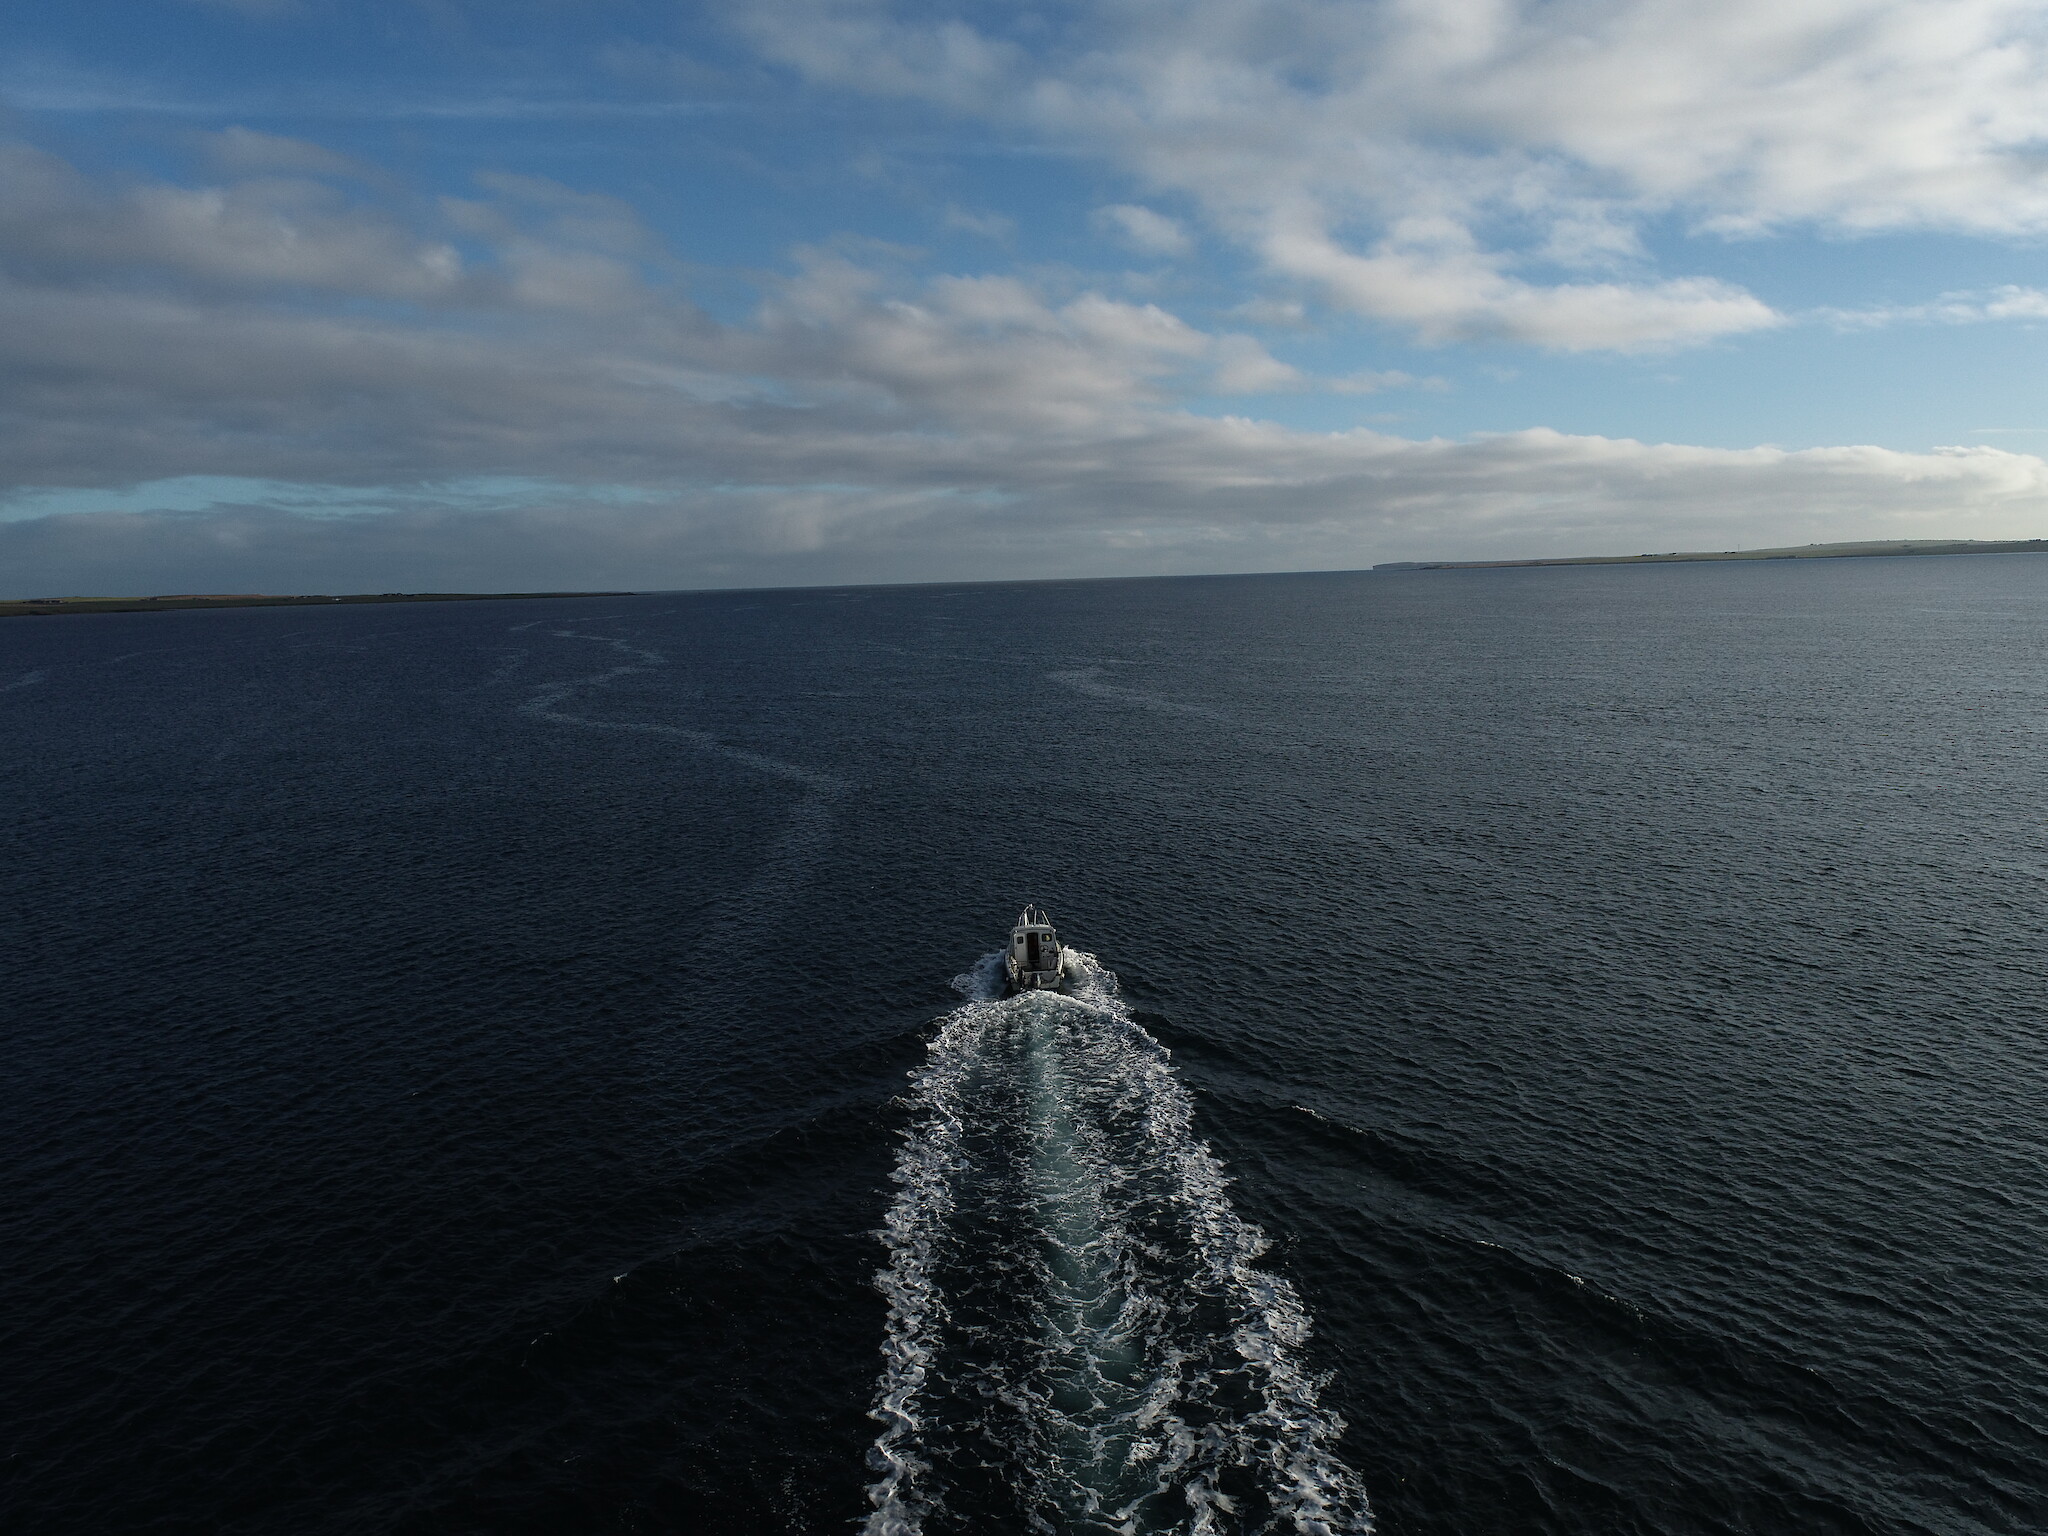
[1078, 1338]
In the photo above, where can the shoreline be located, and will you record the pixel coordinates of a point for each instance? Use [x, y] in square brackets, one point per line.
[1856, 550]
[12, 608]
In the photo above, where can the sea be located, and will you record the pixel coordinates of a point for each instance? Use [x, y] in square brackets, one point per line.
[1543, 1051]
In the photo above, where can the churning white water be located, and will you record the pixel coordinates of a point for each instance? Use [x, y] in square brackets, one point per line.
[1079, 1339]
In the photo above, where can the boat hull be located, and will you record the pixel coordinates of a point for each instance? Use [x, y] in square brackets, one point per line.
[1017, 980]
[1034, 962]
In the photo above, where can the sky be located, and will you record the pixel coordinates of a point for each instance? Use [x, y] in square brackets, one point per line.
[304, 295]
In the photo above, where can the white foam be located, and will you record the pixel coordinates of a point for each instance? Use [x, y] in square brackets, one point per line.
[544, 704]
[1140, 1371]
[1088, 680]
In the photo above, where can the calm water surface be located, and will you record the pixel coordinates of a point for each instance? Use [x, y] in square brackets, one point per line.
[468, 1065]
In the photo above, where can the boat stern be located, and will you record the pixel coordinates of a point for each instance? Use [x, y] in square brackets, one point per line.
[1035, 960]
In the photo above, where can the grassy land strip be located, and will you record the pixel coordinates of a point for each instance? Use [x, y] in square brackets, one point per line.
[29, 608]
[1803, 552]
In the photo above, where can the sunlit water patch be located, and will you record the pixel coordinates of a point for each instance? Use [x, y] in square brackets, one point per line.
[1079, 1337]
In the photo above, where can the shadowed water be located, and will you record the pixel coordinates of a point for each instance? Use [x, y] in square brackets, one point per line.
[491, 1067]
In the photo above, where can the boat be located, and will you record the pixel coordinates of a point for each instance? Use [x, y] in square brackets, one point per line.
[1034, 961]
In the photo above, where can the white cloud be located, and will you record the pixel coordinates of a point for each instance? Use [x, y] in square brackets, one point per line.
[1277, 314]
[2009, 302]
[1519, 131]
[1433, 279]
[988, 225]
[965, 350]
[1184, 494]
[1243, 367]
[245, 151]
[267, 231]
[858, 425]
[1371, 383]
[1153, 234]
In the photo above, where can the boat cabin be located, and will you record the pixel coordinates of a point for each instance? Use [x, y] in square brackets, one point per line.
[1034, 956]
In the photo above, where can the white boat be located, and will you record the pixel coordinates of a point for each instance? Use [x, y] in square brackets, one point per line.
[1034, 960]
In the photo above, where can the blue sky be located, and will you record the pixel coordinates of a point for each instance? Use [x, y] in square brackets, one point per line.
[299, 295]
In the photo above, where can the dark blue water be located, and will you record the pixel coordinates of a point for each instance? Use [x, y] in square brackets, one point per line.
[1563, 1051]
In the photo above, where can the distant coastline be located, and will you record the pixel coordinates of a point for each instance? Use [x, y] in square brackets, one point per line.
[1802, 552]
[30, 607]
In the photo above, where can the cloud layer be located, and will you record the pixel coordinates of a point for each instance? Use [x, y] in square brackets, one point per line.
[1415, 160]
[515, 385]
[1189, 496]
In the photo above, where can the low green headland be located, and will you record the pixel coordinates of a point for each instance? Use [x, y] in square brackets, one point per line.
[28, 607]
[1803, 552]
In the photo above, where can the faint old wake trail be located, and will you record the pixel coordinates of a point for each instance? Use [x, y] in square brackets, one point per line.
[1078, 1335]
[795, 851]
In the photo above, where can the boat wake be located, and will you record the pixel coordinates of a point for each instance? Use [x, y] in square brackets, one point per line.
[786, 864]
[1078, 1337]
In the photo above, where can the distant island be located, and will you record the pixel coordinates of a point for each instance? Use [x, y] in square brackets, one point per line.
[1803, 552]
[27, 607]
